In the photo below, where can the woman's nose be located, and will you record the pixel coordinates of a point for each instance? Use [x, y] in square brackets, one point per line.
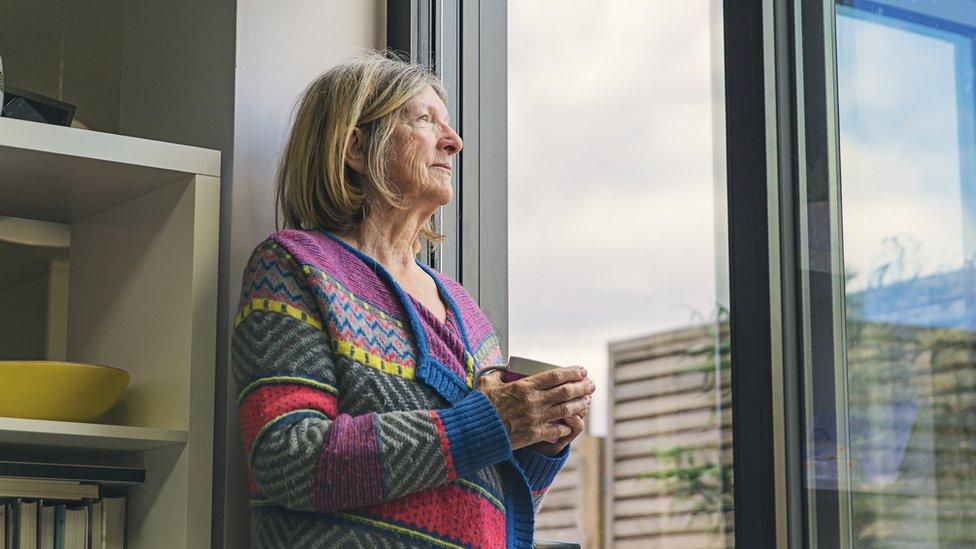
[452, 141]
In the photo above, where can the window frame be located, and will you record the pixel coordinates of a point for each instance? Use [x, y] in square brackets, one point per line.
[763, 160]
[465, 44]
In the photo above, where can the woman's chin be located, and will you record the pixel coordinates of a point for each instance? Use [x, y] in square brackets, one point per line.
[439, 194]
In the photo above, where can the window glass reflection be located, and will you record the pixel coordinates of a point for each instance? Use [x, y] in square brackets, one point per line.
[907, 138]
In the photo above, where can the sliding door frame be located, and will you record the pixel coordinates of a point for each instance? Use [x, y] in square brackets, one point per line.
[767, 142]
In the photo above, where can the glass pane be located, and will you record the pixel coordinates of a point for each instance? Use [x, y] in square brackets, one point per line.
[892, 435]
[616, 235]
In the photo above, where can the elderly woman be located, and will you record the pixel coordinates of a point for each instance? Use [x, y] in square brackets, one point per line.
[355, 363]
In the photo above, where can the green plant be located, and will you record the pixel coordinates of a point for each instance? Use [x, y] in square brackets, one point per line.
[704, 483]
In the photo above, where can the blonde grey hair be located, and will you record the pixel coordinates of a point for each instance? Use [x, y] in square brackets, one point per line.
[315, 187]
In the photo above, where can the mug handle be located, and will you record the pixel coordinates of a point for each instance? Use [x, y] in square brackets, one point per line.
[488, 370]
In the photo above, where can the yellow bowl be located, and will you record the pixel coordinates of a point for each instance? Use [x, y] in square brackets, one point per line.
[61, 391]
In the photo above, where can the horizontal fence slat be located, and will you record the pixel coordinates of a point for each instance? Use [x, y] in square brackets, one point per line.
[674, 423]
[687, 439]
[650, 388]
[670, 405]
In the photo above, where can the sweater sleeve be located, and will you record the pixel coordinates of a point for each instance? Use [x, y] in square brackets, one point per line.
[302, 452]
[540, 470]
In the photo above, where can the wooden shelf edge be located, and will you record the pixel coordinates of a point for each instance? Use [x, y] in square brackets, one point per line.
[122, 149]
[39, 432]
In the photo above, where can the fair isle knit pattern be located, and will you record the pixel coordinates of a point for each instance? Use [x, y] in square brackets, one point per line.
[357, 411]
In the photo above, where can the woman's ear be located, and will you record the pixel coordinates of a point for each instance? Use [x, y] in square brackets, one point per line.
[356, 151]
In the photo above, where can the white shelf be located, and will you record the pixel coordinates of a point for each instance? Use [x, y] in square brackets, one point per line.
[64, 175]
[142, 296]
[65, 434]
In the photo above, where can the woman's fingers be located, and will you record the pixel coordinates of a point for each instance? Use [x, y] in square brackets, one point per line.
[555, 377]
[576, 425]
[568, 391]
[571, 408]
[555, 431]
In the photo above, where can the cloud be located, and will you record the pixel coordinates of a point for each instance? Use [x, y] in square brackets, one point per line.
[611, 191]
[900, 157]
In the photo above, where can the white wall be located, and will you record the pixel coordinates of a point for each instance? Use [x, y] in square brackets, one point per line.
[281, 47]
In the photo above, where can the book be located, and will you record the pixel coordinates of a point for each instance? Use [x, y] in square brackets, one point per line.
[76, 527]
[114, 517]
[26, 524]
[59, 516]
[96, 524]
[45, 527]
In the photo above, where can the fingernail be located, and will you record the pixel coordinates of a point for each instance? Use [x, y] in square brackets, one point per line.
[583, 371]
[587, 398]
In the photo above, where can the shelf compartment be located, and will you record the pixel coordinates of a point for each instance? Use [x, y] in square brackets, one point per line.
[66, 434]
[65, 175]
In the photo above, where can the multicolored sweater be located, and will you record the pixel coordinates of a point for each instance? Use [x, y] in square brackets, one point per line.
[357, 410]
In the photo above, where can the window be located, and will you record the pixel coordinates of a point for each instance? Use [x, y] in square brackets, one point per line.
[616, 240]
[889, 430]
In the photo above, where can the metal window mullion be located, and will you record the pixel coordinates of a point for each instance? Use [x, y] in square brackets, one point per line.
[751, 284]
[783, 152]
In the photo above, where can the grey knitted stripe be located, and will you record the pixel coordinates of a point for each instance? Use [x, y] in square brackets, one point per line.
[272, 528]
[269, 343]
[363, 389]
[411, 456]
[537, 500]
[284, 464]
[489, 479]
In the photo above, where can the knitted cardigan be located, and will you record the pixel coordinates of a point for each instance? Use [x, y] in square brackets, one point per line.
[356, 433]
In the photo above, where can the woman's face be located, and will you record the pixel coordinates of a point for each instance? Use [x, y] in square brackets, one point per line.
[423, 148]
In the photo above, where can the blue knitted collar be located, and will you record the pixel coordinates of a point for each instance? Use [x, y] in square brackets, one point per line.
[429, 370]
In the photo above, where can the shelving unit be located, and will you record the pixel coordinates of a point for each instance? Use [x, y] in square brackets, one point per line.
[142, 297]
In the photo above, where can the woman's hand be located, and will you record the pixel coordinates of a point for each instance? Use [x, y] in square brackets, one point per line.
[551, 448]
[532, 407]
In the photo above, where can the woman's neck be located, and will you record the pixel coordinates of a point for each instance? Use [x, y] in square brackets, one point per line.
[389, 241]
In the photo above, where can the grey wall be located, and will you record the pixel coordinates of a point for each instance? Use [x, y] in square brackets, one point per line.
[22, 335]
[279, 52]
[69, 50]
[178, 73]
[221, 74]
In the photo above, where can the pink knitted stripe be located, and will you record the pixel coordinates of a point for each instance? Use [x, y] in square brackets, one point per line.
[318, 250]
[445, 445]
[472, 520]
[349, 466]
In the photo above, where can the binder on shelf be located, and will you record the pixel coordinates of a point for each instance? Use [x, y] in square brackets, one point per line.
[104, 475]
[46, 489]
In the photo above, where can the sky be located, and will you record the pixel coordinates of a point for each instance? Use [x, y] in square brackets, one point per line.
[611, 186]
